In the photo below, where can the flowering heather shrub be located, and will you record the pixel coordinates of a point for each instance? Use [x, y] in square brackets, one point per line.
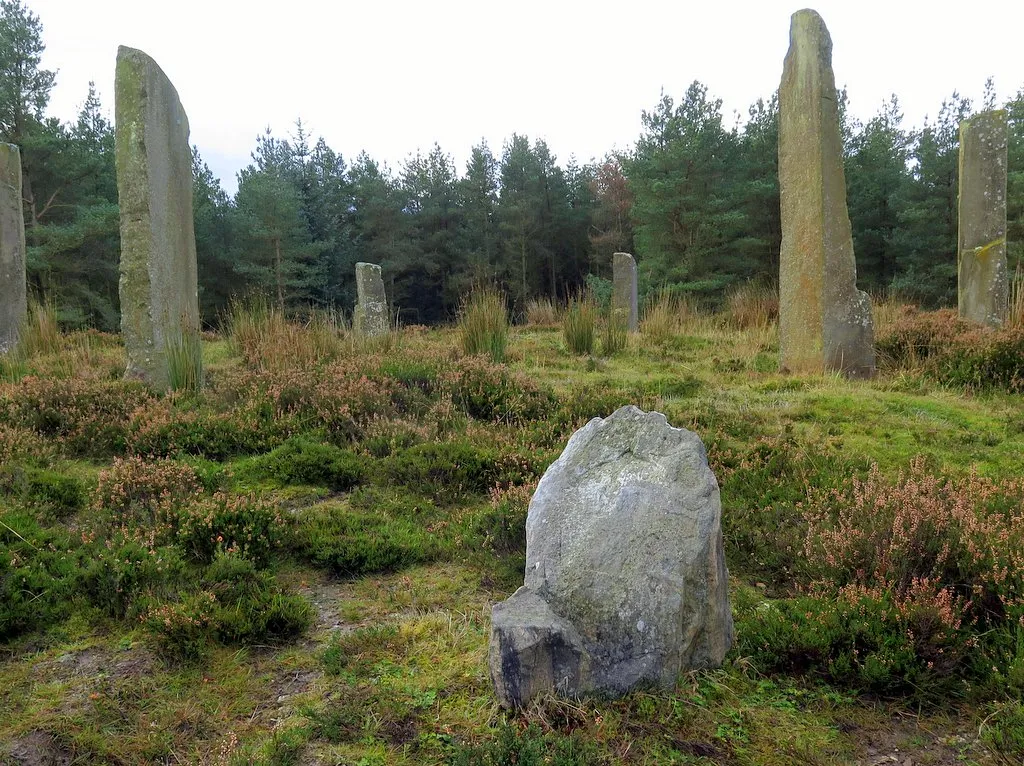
[240, 524]
[954, 351]
[142, 497]
[965, 535]
[502, 527]
[383, 437]
[118, 573]
[84, 417]
[915, 336]
[17, 443]
[182, 629]
[492, 392]
[335, 398]
[914, 642]
[163, 429]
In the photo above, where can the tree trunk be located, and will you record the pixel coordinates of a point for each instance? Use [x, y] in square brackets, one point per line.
[279, 274]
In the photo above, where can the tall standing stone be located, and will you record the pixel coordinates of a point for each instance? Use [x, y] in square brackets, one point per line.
[981, 249]
[13, 303]
[824, 320]
[371, 312]
[624, 294]
[159, 284]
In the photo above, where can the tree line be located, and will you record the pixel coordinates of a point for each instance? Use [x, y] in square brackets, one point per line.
[696, 200]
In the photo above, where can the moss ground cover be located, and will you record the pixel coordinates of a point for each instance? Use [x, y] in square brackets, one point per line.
[295, 563]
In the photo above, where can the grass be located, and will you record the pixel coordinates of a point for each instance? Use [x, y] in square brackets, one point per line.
[579, 324]
[367, 475]
[483, 324]
[185, 362]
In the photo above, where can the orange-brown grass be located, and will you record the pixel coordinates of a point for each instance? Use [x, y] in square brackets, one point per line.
[752, 305]
[267, 340]
[542, 312]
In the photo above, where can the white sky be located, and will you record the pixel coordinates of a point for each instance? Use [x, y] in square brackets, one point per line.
[394, 77]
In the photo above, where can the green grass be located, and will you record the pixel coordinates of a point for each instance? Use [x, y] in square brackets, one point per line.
[377, 468]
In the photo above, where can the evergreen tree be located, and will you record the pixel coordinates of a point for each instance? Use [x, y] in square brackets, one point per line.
[878, 184]
[478, 200]
[927, 233]
[683, 218]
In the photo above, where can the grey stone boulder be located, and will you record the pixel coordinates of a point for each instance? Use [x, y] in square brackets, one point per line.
[626, 581]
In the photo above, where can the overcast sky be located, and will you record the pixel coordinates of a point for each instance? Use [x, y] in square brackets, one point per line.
[394, 77]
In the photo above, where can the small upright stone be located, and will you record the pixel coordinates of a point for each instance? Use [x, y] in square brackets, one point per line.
[626, 582]
[981, 251]
[624, 294]
[371, 312]
[825, 322]
[13, 300]
[159, 284]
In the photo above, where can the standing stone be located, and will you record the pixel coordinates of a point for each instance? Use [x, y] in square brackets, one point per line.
[824, 320]
[625, 576]
[371, 312]
[13, 300]
[159, 285]
[981, 251]
[624, 296]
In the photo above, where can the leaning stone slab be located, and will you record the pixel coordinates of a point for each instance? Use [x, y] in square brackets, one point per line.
[13, 299]
[158, 285]
[825, 322]
[626, 581]
[981, 253]
[371, 312]
[624, 289]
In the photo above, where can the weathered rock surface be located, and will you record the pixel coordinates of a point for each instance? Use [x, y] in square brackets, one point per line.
[825, 322]
[158, 286]
[625, 577]
[371, 312]
[981, 253]
[12, 248]
[624, 288]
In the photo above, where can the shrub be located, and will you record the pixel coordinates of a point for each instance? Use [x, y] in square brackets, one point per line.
[242, 524]
[965, 534]
[86, 418]
[53, 493]
[501, 528]
[142, 497]
[495, 393]
[578, 324]
[446, 471]
[116, 575]
[483, 324]
[164, 428]
[182, 629]
[912, 643]
[236, 605]
[250, 606]
[353, 543]
[38, 575]
[303, 461]
[57, 494]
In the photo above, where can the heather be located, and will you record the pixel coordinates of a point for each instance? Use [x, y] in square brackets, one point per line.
[309, 542]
